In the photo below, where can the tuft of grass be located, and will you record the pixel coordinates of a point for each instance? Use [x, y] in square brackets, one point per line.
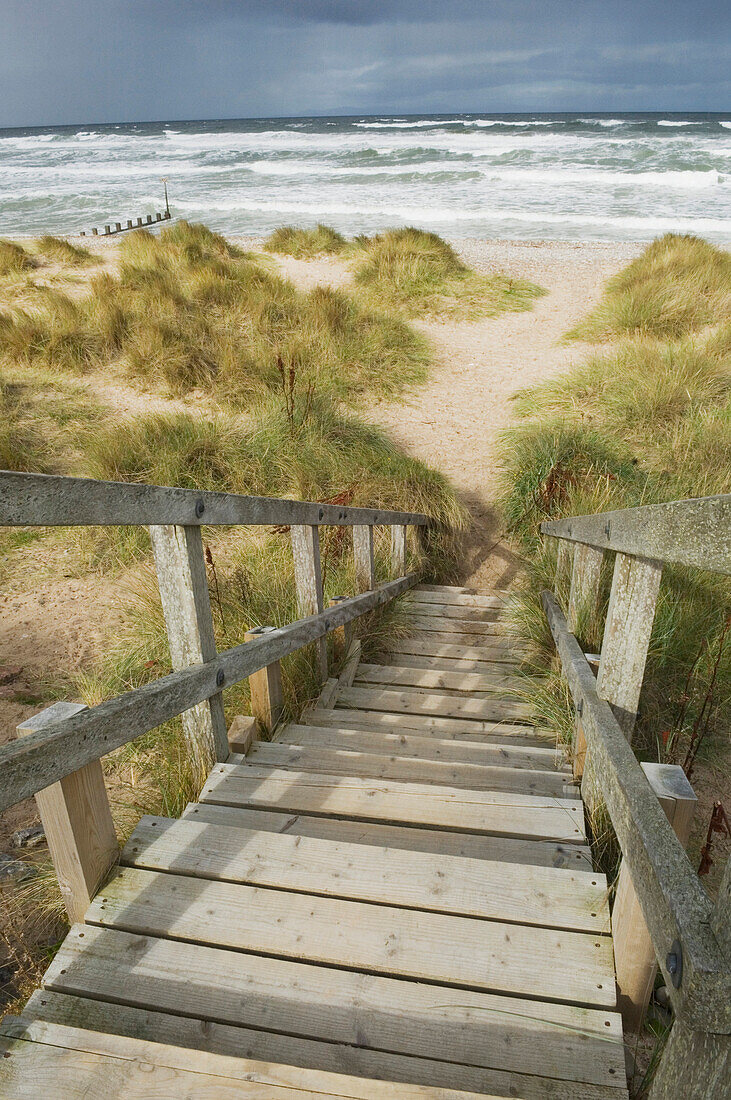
[676, 286]
[14, 259]
[63, 252]
[415, 272]
[303, 244]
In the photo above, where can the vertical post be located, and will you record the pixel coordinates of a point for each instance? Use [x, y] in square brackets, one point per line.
[563, 554]
[342, 635]
[186, 605]
[627, 631]
[398, 550]
[634, 954]
[267, 701]
[77, 822]
[584, 591]
[365, 573]
[129, 223]
[308, 580]
[694, 1064]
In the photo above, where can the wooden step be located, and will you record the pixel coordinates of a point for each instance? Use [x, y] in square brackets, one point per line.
[494, 649]
[336, 761]
[575, 900]
[436, 679]
[576, 967]
[495, 708]
[267, 1046]
[42, 1058]
[453, 611]
[456, 599]
[431, 725]
[529, 852]
[423, 619]
[502, 813]
[436, 631]
[388, 1015]
[503, 668]
[408, 743]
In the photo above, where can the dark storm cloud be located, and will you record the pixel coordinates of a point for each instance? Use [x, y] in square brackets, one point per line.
[119, 60]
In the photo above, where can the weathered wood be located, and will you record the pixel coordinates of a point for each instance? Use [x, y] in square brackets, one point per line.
[447, 706]
[463, 776]
[694, 1064]
[398, 549]
[308, 580]
[453, 611]
[265, 686]
[527, 852]
[634, 954]
[501, 668]
[444, 631]
[243, 733]
[65, 746]
[685, 532]
[503, 813]
[458, 599]
[343, 635]
[77, 822]
[41, 1058]
[351, 665]
[584, 592]
[425, 619]
[365, 569]
[721, 920]
[627, 633]
[459, 951]
[494, 649]
[428, 725]
[563, 558]
[332, 1057]
[183, 584]
[429, 679]
[51, 501]
[673, 902]
[373, 1012]
[575, 900]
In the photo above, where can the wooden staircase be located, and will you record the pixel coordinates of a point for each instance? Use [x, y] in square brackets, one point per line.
[397, 889]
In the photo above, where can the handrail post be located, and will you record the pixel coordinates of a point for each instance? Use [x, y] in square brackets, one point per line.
[186, 605]
[634, 953]
[563, 555]
[584, 591]
[694, 1064]
[342, 635]
[398, 550]
[365, 572]
[77, 822]
[308, 580]
[267, 702]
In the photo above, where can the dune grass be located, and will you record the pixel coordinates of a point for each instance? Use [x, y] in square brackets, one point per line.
[63, 252]
[14, 259]
[676, 286]
[415, 272]
[304, 244]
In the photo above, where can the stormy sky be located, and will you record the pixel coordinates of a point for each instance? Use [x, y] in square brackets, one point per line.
[75, 61]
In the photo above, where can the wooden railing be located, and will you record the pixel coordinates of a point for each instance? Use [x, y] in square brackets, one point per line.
[57, 754]
[661, 915]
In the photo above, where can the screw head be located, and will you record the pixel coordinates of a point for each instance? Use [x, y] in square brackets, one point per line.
[674, 964]
[220, 678]
[199, 508]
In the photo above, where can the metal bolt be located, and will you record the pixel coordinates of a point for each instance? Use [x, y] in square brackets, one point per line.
[607, 528]
[199, 508]
[674, 964]
[321, 513]
[220, 678]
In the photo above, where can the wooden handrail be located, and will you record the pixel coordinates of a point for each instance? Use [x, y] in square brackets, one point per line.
[45, 500]
[678, 912]
[58, 749]
[693, 532]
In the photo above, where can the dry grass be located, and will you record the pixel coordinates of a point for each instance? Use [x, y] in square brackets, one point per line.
[14, 259]
[304, 244]
[63, 252]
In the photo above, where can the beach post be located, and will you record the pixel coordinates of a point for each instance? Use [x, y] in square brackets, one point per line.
[139, 221]
[164, 181]
[107, 230]
[95, 232]
[118, 227]
[148, 219]
[129, 223]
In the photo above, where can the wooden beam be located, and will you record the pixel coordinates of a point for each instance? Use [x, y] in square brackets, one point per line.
[634, 954]
[308, 580]
[631, 613]
[365, 573]
[398, 549]
[50, 501]
[584, 592]
[243, 733]
[265, 685]
[563, 557]
[685, 532]
[77, 822]
[343, 636]
[694, 1064]
[65, 746]
[186, 605]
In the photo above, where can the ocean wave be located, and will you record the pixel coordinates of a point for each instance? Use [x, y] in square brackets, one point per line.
[671, 122]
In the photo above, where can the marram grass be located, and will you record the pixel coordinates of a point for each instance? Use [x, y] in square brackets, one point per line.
[304, 244]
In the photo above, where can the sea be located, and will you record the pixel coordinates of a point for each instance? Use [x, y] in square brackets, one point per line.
[581, 176]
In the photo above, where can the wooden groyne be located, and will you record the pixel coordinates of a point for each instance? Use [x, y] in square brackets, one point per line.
[139, 223]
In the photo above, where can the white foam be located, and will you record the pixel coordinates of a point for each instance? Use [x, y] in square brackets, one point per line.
[671, 122]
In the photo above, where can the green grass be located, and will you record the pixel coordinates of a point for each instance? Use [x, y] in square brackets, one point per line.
[676, 286]
[14, 259]
[63, 252]
[304, 244]
[416, 272]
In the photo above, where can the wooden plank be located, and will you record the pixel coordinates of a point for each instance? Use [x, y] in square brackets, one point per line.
[49, 501]
[370, 1011]
[445, 706]
[419, 620]
[294, 1051]
[627, 633]
[431, 679]
[535, 853]
[398, 549]
[504, 813]
[503, 667]
[674, 904]
[494, 649]
[265, 686]
[585, 591]
[351, 665]
[39, 1056]
[77, 822]
[686, 532]
[577, 967]
[575, 900]
[365, 574]
[427, 725]
[183, 584]
[44, 757]
[452, 611]
[435, 636]
[308, 580]
[457, 599]
[407, 743]
[463, 776]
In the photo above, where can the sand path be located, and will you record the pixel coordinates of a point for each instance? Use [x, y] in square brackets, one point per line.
[454, 421]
